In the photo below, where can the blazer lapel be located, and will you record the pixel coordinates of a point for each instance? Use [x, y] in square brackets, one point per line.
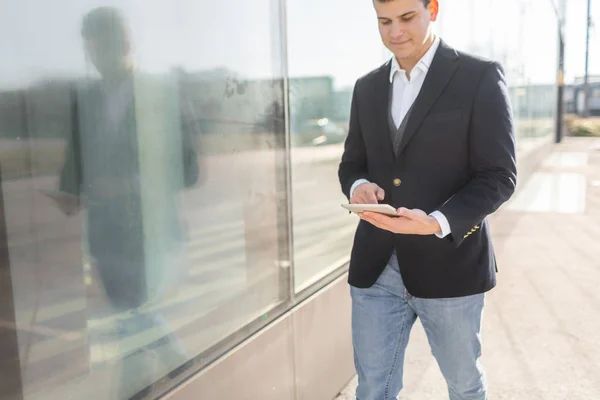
[440, 72]
[381, 105]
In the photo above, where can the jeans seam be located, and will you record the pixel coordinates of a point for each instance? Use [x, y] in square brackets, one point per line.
[395, 361]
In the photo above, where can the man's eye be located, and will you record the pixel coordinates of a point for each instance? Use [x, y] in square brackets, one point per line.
[406, 19]
[386, 22]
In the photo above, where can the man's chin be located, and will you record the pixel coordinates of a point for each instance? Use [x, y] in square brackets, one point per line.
[403, 55]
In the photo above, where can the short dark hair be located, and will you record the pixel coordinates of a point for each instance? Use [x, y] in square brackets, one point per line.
[105, 24]
[425, 2]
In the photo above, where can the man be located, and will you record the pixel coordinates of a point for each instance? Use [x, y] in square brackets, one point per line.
[431, 133]
[130, 148]
[130, 153]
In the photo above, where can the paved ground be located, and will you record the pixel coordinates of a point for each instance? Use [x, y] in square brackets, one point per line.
[542, 322]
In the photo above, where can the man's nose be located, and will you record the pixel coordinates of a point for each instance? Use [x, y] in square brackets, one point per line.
[397, 31]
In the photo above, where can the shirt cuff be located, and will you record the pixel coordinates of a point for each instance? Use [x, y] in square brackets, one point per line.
[443, 221]
[355, 185]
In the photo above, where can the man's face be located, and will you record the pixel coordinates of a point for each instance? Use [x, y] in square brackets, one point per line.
[108, 57]
[404, 26]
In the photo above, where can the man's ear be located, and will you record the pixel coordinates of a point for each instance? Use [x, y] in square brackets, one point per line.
[434, 8]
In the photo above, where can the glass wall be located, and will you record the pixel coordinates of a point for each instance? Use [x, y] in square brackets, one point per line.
[324, 62]
[142, 177]
[329, 50]
[523, 37]
[163, 195]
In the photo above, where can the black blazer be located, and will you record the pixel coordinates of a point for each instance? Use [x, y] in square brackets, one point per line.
[457, 156]
[99, 153]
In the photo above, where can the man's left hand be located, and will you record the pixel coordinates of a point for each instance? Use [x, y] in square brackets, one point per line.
[408, 222]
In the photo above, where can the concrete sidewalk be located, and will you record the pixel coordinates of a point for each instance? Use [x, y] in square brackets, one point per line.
[542, 322]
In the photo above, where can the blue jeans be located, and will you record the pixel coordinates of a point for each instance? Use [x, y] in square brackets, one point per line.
[382, 318]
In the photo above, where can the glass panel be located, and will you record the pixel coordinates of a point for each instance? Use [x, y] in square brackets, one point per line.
[529, 55]
[142, 174]
[324, 62]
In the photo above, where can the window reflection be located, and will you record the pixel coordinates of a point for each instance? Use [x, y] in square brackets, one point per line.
[318, 127]
[127, 159]
[144, 194]
[323, 68]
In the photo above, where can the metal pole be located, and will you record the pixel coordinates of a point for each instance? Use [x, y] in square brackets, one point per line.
[560, 95]
[560, 108]
[586, 84]
[287, 267]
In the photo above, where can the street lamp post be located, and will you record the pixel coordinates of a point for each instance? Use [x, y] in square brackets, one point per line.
[586, 84]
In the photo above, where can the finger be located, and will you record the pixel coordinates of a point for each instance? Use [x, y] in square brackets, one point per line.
[376, 216]
[394, 225]
[403, 212]
[367, 198]
[409, 214]
[371, 197]
[371, 220]
[357, 199]
[380, 193]
[378, 219]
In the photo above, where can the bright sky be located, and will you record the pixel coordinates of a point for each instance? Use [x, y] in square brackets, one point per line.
[40, 39]
[575, 38]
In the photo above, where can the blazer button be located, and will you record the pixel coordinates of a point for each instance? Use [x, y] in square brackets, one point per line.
[397, 182]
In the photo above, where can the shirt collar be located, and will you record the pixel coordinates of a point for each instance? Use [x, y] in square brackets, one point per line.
[424, 63]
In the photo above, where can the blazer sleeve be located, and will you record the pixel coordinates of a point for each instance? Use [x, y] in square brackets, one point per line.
[491, 157]
[354, 159]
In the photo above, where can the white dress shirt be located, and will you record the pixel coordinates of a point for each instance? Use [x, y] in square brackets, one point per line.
[404, 94]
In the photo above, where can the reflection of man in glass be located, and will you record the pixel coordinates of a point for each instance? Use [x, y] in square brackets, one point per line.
[130, 153]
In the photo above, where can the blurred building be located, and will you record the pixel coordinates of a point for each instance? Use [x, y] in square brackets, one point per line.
[578, 95]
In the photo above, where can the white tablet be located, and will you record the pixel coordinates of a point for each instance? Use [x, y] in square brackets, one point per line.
[378, 208]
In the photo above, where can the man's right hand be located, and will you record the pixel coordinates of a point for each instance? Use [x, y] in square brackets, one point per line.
[367, 193]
